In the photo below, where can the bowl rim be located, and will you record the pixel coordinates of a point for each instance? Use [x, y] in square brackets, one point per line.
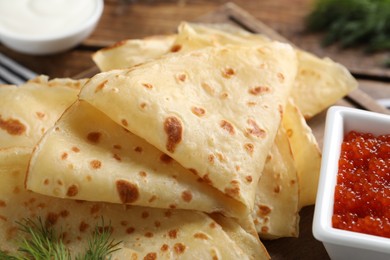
[88, 23]
[322, 228]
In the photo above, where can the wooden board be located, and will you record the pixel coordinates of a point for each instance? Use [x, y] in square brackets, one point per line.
[305, 246]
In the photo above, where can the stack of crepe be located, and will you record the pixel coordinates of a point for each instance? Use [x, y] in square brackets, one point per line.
[193, 145]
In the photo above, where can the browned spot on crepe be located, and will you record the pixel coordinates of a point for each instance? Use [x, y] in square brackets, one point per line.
[73, 190]
[172, 233]
[186, 196]
[174, 130]
[94, 137]
[202, 236]
[255, 130]
[176, 48]
[147, 85]
[95, 164]
[228, 72]
[179, 248]
[127, 191]
[100, 86]
[12, 126]
[164, 247]
[165, 158]
[83, 226]
[259, 90]
[75, 149]
[227, 126]
[151, 256]
[182, 77]
[249, 148]
[40, 115]
[198, 111]
[263, 210]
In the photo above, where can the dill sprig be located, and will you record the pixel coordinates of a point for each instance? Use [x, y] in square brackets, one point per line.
[352, 23]
[100, 245]
[42, 242]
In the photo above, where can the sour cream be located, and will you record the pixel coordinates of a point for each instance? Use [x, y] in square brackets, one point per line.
[40, 19]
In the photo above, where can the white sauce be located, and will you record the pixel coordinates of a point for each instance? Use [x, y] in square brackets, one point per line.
[42, 18]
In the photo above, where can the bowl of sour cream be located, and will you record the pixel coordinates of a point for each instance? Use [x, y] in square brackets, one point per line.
[47, 26]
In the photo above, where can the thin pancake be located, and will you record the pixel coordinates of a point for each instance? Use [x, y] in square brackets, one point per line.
[144, 232]
[86, 151]
[319, 83]
[27, 111]
[307, 157]
[132, 52]
[215, 110]
[276, 206]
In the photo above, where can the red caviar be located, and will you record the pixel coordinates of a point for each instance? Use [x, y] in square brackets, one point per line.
[362, 194]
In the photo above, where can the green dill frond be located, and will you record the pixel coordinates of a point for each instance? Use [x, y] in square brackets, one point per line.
[100, 245]
[5, 256]
[352, 23]
[40, 241]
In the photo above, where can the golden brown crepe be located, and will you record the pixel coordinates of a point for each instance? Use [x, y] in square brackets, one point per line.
[319, 83]
[276, 206]
[87, 152]
[198, 105]
[143, 232]
[307, 155]
[132, 52]
[27, 111]
[198, 121]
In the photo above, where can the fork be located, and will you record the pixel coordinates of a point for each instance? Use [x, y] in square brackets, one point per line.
[13, 73]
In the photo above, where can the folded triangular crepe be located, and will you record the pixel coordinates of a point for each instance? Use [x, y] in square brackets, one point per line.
[276, 206]
[143, 232]
[27, 111]
[307, 158]
[86, 152]
[319, 83]
[216, 111]
[137, 51]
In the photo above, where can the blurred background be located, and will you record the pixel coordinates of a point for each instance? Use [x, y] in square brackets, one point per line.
[126, 19]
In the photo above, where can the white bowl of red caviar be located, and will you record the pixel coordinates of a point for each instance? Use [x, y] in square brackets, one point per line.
[352, 211]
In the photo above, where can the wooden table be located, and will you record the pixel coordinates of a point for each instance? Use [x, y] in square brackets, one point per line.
[125, 19]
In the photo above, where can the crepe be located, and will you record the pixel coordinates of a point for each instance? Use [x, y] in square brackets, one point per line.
[132, 52]
[145, 233]
[197, 106]
[87, 152]
[307, 157]
[27, 111]
[319, 83]
[276, 206]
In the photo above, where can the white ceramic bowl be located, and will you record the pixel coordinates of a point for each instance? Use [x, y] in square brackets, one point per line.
[56, 42]
[341, 244]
